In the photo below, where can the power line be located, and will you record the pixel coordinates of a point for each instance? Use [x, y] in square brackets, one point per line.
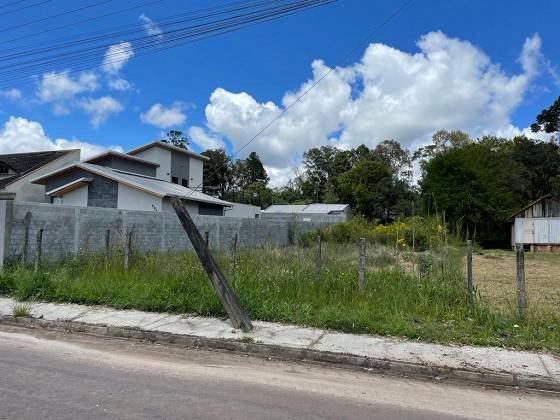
[25, 7]
[154, 43]
[301, 96]
[68, 25]
[89, 6]
[132, 29]
[11, 3]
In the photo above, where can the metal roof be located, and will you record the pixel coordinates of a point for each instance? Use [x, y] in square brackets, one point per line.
[109, 153]
[316, 208]
[25, 163]
[148, 184]
[168, 146]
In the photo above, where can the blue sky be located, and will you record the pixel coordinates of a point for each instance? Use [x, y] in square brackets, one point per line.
[484, 67]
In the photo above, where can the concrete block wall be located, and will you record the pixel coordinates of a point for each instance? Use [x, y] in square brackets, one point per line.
[68, 231]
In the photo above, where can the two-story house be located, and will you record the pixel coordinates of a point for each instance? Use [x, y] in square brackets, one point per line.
[145, 179]
[18, 169]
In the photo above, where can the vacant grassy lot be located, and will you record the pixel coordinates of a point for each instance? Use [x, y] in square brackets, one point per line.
[495, 280]
[278, 285]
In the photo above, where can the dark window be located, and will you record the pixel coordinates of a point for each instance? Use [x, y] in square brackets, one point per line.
[174, 179]
[185, 182]
[4, 168]
[210, 210]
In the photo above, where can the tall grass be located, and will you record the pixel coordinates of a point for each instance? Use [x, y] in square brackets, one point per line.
[278, 285]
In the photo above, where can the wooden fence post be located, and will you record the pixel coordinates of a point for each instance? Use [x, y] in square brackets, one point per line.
[127, 248]
[469, 271]
[521, 294]
[38, 249]
[107, 246]
[223, 290]
[233, 251]
[362, 265]
[318, 261]
[26, 223]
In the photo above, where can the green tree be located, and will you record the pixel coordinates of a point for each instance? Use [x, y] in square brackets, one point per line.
[247, 171]
[548, 120]
[177, 139]
[371, 189]
[217, 171]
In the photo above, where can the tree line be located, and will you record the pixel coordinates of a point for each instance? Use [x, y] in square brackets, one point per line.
[474, 185]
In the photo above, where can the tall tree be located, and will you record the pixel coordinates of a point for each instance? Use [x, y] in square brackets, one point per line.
[548, 120]
[177, 139]
[397, 159]
[247, 171]
[443, 141]
[217, 171]
[255, 170]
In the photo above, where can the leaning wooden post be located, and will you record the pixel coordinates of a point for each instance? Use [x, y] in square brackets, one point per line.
[223, 290]
[233, 251]
[469, 271]
[318, 261]
[521, 294]
[362, 266]
[38, 249]
[127, 248]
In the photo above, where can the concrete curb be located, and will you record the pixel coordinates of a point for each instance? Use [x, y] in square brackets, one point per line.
[477, 377]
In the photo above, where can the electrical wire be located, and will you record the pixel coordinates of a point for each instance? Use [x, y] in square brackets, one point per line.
[68, 25]
[315, 83]
[25, 7]
[149, 44]
[79, 9]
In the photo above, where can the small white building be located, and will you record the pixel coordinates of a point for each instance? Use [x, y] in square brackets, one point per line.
[343, 211]
[537, 225]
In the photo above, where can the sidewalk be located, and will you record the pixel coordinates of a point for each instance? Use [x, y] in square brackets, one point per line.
[485, 365]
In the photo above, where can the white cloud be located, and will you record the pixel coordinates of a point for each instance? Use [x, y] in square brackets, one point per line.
[164, 117]
[117, 56]
[150, 27]
[19, 135]
[204, 139]
[448, 83]
[12, 94]
[100, 109]
[60, 87]
[119, 84]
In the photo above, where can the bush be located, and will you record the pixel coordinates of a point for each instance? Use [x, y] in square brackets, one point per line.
[428, 233]
[341, 233]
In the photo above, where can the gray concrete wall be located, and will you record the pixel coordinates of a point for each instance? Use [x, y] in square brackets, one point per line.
[102, 192]
[67, 231]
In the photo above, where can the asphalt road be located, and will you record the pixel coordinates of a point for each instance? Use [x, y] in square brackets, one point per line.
[51, 375]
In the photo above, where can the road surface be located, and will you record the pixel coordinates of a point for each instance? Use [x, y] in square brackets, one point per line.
[45, 374]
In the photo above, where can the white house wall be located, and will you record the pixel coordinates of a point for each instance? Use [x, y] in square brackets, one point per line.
[161, 157]
[134, 199]
[196, 167]
[77, 197]
[26, 191]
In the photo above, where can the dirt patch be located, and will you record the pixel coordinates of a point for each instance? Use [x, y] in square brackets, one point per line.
[495, 280]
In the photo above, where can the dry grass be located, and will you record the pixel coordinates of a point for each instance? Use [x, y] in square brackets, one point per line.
[495, 280]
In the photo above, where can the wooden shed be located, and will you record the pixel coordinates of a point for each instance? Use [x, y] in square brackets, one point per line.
[537, 225]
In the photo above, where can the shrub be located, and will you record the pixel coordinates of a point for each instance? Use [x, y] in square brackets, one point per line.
[344, 232]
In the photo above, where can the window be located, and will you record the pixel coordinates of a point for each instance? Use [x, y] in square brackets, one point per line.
[174, 179]
[185, 182]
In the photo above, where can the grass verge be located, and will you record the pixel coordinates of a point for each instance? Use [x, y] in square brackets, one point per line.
[277, 285]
